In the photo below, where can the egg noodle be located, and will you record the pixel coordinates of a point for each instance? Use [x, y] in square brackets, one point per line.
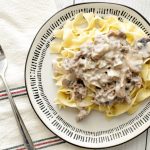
[80, 30]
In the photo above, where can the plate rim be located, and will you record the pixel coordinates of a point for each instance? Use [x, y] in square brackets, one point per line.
[26, 63]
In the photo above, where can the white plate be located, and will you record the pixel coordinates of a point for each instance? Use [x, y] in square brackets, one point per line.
[95, 131]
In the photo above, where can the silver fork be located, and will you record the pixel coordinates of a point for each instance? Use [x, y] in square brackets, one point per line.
[22, 128]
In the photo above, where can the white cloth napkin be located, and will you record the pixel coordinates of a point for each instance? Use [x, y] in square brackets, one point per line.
[19, 22]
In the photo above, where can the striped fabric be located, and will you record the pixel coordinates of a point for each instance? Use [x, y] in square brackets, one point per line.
[19, 23]
[39, 144]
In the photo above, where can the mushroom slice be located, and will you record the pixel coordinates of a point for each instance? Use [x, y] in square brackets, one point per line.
[113, 73]
[144, 41]
[134, 62]
[118, 63]
[99, 51]
[69, 80]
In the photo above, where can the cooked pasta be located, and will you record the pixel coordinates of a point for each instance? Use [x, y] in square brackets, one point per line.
[103, 65]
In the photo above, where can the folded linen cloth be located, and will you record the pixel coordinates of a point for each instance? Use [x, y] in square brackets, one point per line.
[19, 22]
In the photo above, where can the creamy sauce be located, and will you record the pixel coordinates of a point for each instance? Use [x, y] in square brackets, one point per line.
[110, 65]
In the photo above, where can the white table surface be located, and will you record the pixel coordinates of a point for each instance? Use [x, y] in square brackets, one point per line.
[37, 130]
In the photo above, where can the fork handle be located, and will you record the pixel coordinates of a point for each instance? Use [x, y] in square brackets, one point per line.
[22, 128]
